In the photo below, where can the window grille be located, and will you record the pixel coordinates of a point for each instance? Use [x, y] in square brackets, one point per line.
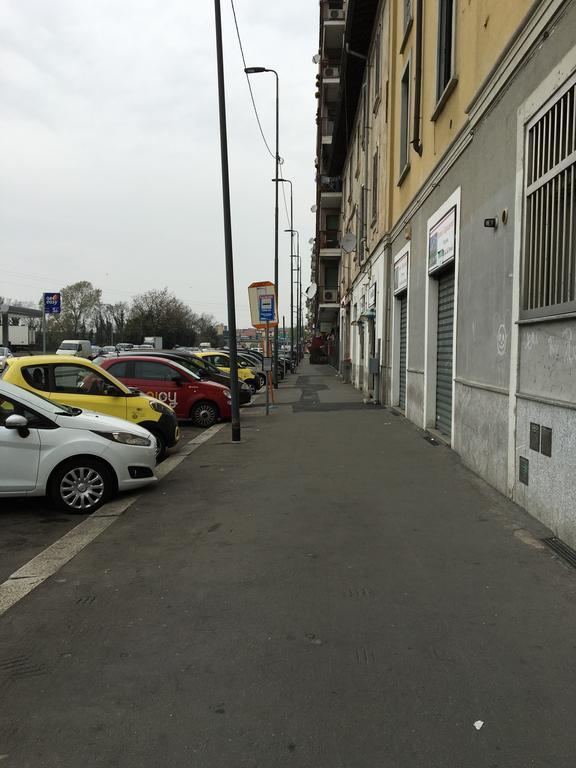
[549, 266]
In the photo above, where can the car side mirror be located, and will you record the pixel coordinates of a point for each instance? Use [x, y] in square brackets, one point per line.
[178, 380]
[111, 391]
[15, 421]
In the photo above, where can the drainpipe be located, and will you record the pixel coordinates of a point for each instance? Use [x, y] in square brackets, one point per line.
[416, 142]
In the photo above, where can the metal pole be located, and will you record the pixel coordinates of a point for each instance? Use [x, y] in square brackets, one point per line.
[227, 230]
[266, 353]
[276, 226]
[44, 333]
[291, 279]
[300, 331]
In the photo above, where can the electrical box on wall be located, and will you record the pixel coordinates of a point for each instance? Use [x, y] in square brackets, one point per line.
[373, 365]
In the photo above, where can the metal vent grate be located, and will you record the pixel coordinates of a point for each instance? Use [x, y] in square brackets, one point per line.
[562, 549]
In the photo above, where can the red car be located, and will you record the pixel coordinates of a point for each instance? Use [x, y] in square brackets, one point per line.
[203, 402]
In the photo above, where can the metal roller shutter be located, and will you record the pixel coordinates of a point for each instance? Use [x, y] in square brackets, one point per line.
[402, 362]
[444, 352]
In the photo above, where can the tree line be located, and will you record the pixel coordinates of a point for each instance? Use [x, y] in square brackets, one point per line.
[154, 313]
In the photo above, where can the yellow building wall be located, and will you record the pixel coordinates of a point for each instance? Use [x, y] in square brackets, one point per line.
[483, 29]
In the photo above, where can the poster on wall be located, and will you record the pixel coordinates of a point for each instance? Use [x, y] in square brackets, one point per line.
[401, 273]
[372, 296]
[442, 241]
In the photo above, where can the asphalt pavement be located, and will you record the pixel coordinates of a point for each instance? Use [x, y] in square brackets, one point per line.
[336, 591]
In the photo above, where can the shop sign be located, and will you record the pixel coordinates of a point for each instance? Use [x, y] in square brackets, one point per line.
[442, 241]
[401, 273]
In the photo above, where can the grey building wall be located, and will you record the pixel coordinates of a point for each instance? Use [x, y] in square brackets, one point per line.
[486, 174]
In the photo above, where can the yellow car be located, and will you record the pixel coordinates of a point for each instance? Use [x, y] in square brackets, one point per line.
[222, 361]
[81, 384]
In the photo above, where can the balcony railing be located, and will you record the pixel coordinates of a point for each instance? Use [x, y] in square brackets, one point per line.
[330, 69]
[334, 10]
[330, 183]
[329, 238]
[329, 295]
[327, 127]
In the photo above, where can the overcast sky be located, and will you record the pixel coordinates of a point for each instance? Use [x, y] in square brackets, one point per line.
[109, 146]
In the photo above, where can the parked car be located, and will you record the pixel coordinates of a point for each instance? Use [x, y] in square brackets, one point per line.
[76, 347]
[81, 384]
[222, 361]
[109, 349]
[5, 353]
[203, 368]
[78, 458]
[203, 402]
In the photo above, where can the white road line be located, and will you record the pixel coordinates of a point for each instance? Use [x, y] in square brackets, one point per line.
[50, 560]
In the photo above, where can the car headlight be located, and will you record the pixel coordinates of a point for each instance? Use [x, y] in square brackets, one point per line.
[244, 386]
[126, 438]
[227, 394]
[161, 408]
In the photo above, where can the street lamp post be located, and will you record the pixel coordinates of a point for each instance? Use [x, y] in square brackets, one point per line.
[234, 393]
[292, 257]
[291, 230]
[256, 71]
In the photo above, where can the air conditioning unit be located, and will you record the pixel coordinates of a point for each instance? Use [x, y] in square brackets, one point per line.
[330, 294]
[337, 14]
[331, 71]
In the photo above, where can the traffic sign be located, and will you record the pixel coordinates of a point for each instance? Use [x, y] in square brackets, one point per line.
[52, 303]
[263, 305]
[266, 309]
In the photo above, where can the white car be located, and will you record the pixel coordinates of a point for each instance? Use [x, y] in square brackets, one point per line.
[77, 458]
[5, 353]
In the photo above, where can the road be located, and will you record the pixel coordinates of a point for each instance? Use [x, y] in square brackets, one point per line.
[27, 526]
[333, 592]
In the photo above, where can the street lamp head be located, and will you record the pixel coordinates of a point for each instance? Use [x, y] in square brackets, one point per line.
[255, 70]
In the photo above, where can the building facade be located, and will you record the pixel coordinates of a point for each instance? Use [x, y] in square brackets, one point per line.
[454, 142]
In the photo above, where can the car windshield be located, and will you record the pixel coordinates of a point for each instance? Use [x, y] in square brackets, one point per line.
[69, 345]
[4, 351]
[56, 409]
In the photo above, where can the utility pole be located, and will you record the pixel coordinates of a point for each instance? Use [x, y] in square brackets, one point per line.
[227, 231]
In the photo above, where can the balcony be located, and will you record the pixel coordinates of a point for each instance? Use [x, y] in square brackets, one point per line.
[328, 304]
[329, 239]
[327, 128]
[334, 21]
[330, 191]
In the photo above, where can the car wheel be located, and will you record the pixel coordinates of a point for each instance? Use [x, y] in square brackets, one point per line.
[160, 445]
[261, 380]
[253, 384]
[81, 485]
[204, 414]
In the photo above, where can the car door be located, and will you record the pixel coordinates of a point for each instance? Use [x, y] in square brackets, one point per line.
[83, 387]
[157, 378]
[19, 452]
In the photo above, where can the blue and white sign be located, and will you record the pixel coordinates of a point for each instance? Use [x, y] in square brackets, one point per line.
[266, 309]
[52, 304]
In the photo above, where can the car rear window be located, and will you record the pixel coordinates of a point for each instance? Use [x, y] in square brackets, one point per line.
[36, 376]
[119, 369]
[153, 371]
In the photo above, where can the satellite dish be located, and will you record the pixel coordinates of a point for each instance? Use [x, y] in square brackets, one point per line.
[314, 208]
[312, 240]
[312, 290]
[316, 58]
[348, 242]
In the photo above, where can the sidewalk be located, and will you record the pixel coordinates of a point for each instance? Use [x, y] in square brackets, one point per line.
[333, 592]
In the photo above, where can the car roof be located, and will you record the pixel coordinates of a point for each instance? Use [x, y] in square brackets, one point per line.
[146, 359]
[45, 359]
